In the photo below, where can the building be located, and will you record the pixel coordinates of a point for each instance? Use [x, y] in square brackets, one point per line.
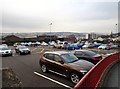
[11, 39]
[91, 36]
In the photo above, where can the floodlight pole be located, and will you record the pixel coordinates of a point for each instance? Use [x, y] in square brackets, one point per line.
[116, 35]
[50, 31]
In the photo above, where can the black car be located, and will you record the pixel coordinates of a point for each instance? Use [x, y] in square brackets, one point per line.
[22, 50]
[88, 55]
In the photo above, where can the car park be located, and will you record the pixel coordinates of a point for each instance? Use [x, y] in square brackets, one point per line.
[5, 51]
[65, 64]
[88, 55]
[22, 50]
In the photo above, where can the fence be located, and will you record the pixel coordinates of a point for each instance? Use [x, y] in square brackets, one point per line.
[92, 78]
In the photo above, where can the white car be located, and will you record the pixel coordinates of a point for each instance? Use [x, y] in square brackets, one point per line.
[61, 44]
[5, 45]
[52, 43]
[104, 46]
[44, 44]
[89, 45]
[5, 51]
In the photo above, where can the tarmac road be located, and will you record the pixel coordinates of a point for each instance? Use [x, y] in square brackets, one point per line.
[27, 68]
[112, 80]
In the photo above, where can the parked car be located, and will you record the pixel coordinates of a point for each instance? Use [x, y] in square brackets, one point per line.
[61, 44]
[22, 50]
[113, 46]
[88, 55]
[97, 44]
[52, 43]
[72, 47]
[104, 46]
[89, 45]
[44, 44]
[5, 51]
[5, 45]
[65, 64]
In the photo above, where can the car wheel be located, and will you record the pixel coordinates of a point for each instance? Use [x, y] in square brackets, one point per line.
[44, 68]
[11, 54]
[74, 78]
[29, 52]
[20, 53]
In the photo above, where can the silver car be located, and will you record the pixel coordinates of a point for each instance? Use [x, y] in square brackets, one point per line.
[5, 51]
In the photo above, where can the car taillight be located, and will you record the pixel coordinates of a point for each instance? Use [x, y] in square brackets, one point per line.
[95, 59]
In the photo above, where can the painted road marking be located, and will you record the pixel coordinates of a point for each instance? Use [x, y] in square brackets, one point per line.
[33, 49]
[42, 50]
[53, 80]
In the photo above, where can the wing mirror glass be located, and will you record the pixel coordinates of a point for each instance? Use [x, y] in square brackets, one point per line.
[61, 62]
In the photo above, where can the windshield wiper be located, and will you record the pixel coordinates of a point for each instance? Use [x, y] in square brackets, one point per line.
[74, 60]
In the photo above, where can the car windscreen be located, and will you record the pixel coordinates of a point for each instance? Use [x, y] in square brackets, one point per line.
[5, 48]
[89, 53]
[69, 57]
[22, 47]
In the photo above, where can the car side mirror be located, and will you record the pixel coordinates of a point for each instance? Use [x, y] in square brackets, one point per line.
[61, 62]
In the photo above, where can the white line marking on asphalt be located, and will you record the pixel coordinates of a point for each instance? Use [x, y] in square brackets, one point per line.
[38, 52]
[33, 49]
[53, 80]
[42, 50]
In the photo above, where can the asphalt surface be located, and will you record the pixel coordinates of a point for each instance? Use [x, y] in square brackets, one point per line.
[27, 68]
[112, 79]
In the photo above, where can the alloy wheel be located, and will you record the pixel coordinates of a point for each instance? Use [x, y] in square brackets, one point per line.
[74, 78]
[44, 68]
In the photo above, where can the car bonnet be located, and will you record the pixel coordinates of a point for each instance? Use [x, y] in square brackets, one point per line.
[81, 64]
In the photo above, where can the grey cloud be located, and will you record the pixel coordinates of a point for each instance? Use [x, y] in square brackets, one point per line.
[95, 10]
[16, 21]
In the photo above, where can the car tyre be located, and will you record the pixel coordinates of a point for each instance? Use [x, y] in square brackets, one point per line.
[74, 78]
[11, 54]
[44, 68]
[20, 53]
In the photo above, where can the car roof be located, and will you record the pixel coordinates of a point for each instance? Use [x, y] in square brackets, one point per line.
[83, 50]
[57, 52]
[19, 46]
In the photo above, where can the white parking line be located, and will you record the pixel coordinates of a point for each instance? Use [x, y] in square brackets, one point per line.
[42, 50]
[53, 80]
[33, 49]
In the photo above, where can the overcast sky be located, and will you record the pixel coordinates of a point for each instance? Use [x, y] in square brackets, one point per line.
[65, 15]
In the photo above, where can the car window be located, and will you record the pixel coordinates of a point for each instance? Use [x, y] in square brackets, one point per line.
[69, 57]
[79, 53]
[90, 53]
[57, 58]
[49, 56]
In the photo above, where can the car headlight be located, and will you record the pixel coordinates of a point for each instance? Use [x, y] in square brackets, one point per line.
[83, 71]
[21, 50]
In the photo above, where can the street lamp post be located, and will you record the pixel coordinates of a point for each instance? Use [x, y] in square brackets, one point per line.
[116, 35]
[116, 29]
[50, 31]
